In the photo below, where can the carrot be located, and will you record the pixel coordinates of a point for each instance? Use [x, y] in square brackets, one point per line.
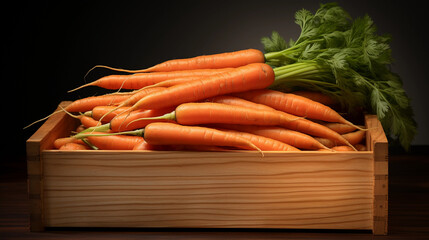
[163, 133]
[198, 148]
[109, 112]
[127, 123]
[342, 148]
[208, 113]
[202, 148]
[176, 81]
[135, 97]
[213, 61]
[360, 147]
[88, 121]
[87, 104]
[317, 97]
[263, 143]
[170, 134]
[80, 128]
[85, 120]
[340, 128]
[294, 104]
[252, 76]
[74, 146]
[112, 142]
[140, 80]
[353, 138]
[235, 101]
[59, 142]
[143, 145]
[293, 138]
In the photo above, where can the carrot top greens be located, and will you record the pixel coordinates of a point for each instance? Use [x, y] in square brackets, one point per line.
[346, 59]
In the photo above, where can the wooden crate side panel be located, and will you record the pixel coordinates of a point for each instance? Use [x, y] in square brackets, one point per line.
[188, 189]
[57, 125]
[378, 142]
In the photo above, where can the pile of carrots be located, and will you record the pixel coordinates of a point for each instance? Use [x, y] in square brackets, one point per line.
[217, 102]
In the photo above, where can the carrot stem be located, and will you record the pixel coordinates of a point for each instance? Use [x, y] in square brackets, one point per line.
[101, 128]
[89, 144]
[306, 69]
[167, 116]
[138, 132]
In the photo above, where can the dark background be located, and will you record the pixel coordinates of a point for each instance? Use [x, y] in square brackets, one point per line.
[50, 45]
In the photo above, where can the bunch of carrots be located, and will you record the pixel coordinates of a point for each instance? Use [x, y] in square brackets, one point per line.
[213, 102]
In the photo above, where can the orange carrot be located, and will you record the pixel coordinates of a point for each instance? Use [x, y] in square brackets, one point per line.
[88, 121]
[176, 81]
[263, 143]
[74, 146]
[113, 142]
[342, 148]
[140, 80]
[317, 97]
[235, 101]
[137, 95]
[80, 128]
[294, 104]
[200, 148]
[360, 147]
[170, 134]
[293, 138]
[87, 104]
[109, 112]
[208, 113]
[85, 120]
[59, 142]
[163, 133]
[127, 122]
[213, 61]
[352, 137]
[252, 76]
[197, 148]
[340, 128]
[143, 145]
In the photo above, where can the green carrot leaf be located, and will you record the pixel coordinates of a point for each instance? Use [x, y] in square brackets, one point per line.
[275, 43]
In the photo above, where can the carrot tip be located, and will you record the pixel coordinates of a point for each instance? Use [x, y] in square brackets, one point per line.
[80, 87]
[355, 126]
[353, 147]
[31, 124]
[118, 69]
[68, 113]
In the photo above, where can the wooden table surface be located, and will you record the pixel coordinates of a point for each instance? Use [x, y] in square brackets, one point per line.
[408, 209]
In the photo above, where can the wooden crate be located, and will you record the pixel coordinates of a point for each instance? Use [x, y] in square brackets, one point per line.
[242, 189]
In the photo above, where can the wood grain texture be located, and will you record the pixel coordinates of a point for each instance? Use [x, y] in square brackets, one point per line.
[57, 125]
[188, 189]
[378, 142]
